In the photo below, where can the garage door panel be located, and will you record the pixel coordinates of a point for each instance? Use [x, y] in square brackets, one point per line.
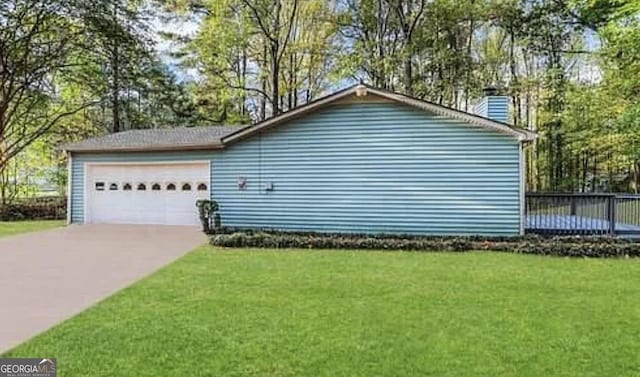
[147, 206]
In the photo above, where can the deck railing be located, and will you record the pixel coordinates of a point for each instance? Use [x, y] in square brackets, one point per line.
[597, 214]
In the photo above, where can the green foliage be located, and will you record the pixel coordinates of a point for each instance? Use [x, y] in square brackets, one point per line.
[208, 214]
[258, 57]
[37, 50]
[348, 313]
[13, 228]
[570, 67]
[557, 246]
[78, 68]
[42, 208]
[121, 69]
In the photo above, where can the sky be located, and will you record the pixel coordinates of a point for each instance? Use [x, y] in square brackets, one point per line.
[166, 48]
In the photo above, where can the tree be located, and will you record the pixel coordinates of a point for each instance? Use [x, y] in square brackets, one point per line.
[119, 64]
[372, 38]
[254, 63]
[37, 50]
[274, 23]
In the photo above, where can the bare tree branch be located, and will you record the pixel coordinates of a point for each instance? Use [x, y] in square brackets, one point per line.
[258, 18]
[287, 36]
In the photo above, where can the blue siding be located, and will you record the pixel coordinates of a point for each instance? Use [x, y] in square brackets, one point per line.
[358, 168]
[372, 168]
[79, 159]
[494, 107]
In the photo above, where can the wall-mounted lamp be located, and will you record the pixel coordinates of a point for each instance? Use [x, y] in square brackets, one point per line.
[242, 183]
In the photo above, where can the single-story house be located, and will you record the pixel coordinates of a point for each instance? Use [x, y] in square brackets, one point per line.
[358, 160]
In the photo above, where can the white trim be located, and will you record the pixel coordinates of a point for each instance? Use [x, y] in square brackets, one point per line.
[466, 117]
[210, 183]
[290, 114]
[362, 91]
[86, 165]
[69, 186]
[522, 171]
[171, 162]
[85, 198]
[145, 149]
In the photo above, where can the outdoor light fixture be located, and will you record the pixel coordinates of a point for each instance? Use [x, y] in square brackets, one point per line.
[242, 183]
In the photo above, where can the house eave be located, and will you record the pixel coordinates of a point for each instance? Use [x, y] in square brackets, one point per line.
[289, 115]
[155, 148]
[520, 134]
[362, 90]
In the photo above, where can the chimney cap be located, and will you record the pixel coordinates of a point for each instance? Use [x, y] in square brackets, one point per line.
[490, 91]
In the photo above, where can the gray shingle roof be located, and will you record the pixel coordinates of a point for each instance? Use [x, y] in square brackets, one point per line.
[180, 138]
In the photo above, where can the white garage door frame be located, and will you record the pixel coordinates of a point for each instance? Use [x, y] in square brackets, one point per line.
[88, 165]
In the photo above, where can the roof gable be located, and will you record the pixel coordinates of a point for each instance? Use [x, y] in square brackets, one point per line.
[364, 93]
[218, 137]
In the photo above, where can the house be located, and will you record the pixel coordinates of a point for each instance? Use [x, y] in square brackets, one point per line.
[359, 160]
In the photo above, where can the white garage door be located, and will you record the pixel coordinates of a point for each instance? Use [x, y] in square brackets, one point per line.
[146, 193]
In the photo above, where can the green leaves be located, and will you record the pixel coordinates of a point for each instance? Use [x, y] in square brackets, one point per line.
[209, 215]
[561, 246]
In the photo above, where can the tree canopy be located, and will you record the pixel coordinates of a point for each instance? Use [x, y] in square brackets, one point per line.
[71, 68]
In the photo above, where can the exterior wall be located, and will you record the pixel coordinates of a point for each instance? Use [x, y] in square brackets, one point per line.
[494, 107]
[78, 174]
[363, 167]
[372, 168]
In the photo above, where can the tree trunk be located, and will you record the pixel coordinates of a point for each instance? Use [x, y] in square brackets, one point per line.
[585, 169]
[515, 91]
[115, 90]
[408, 75]
[115, 84]
[263, 99]
[636, 170]
[594, 179]
[243, 83]
[467, 85]
[291, 83]
[275, 80]
[275, 60]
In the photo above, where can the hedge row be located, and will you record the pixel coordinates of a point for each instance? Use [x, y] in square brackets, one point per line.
[597, 247]
[44, 208]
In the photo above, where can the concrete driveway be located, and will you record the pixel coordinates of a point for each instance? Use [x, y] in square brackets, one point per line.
[47, 277]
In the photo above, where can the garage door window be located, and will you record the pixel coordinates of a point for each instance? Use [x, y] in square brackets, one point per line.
[142, 187]
[186, 187]
[113, 187]
[126, 187]
[99, 186]
[202, 187]
[171, 187]
[156, 187]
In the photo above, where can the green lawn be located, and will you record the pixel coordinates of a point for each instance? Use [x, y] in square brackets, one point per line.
[11, 228]
[337, 313]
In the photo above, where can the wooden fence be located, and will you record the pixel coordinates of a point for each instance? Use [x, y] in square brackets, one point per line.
[591, 214]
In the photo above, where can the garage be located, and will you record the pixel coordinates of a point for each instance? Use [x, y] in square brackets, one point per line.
[361, 160]
[161, 193]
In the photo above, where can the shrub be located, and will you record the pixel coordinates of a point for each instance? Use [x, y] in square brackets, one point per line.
[209, 216]
[568, 246]
[43, 208]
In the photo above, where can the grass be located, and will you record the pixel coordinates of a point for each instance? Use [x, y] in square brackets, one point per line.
[12, 228]
[338, 313]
